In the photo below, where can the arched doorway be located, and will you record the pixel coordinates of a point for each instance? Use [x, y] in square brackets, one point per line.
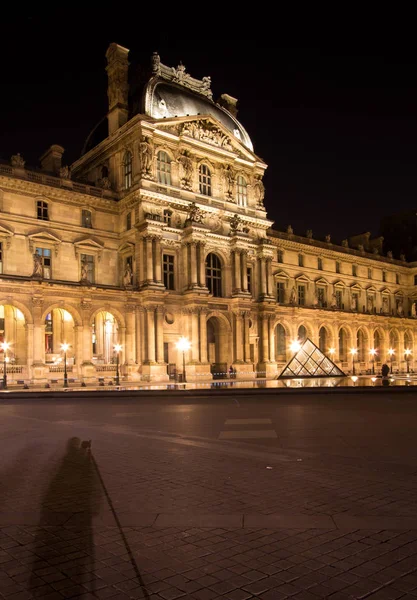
[281, 343]
[408, 349]
[218, 350]
[323, 340]
[394, 354]
[343, 345]
[104, 336]
[59, 329]
[361, 343]
[13, 332]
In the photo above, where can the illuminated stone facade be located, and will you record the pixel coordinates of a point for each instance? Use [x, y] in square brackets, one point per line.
[159, 231]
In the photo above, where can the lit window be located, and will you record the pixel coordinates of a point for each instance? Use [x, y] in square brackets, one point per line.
[280, 256]
[214, 274]
[242, 191]
[281, 292]
[42, 208]
[86, 220]
[301, 295]
[127, 170]
[320, 264]
[300, 260]
[128, 221]
[46, 261]
[87, 267]
[163, 168]
[204, 179]
[168, 264]
[321, 296]
[339, 303]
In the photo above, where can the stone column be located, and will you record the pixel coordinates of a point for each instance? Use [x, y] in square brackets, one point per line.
[262, 277]
[195, 350]
[140, 336]
[269, 277]
[238, 275]
[193, 265]
[160, 334]
[29, 342]
[158, 261]
[38, 342]
[244, 262]
[122, 342]
[130, 350]
[203, 336]
[246, 336]
[265, 338]
[271, 339]
[185, 267]
[238, 338]
[149, 260]
[150, 334]
[202, 266]
[78, 347]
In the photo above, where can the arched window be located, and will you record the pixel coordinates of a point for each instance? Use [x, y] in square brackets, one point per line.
[214, 274]
[302, 334]
[242, 191]
[377, 345]
[127, 171]
[281, 343]
[342, 345]
[323, 340]
[408, 343]
[163, 168]
[204, 180]
[361, 345]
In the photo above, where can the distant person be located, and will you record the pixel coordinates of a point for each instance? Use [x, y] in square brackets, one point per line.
[385, 370]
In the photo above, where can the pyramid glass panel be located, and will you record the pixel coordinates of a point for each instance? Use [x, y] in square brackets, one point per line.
[310, 362]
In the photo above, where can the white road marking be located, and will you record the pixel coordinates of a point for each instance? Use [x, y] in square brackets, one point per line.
[248, 422]
[233, 435]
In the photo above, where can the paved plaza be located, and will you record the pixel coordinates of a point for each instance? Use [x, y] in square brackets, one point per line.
[229, 497]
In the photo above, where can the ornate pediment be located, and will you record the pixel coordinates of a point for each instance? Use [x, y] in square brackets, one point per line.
[339, 284]
[5, 230]
[126, 247]
[180, 76]
[321, 281]
[385, 291]
[206, 131]
[43, 236]
[88, 244]
[281, 275]
[356, 287]
[302, 278]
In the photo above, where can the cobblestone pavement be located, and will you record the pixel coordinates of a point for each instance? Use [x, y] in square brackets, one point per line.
[151, 514]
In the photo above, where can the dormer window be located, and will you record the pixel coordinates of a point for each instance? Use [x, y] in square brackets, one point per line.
[204, 180]
[127, 171]
[163, 168]
[242, 191]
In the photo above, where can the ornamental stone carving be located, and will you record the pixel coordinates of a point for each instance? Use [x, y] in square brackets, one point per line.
[186, 172]
[146, 158]
[207, 132]
[235, 224]
[259, 192]
[195, 214]
[104, 183]
[37, 265]
[65, 172]
[229, 181]
[17, 161]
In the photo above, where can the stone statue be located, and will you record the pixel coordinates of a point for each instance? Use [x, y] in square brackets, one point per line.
[37, 265]
[105, 183]
[402, 257]
[353, 305]
[293, 296]
[370, 304]
[156, 63]
[186, 165]
[290, 230]
[400, 308]
[389, 254]
[17, 161]
[84, 271]
[64, 172]
[333, 303]
[413, 310]
[146, 156]
[259, 192]
[309, 234]
[229, 179]
[361, 248]
[128, 275]
[328, 238]
[315, 299]
[385, 304]
[375, 251]
[235, 224]
[345, 243]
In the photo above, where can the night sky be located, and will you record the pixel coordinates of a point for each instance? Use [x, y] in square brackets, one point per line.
[337, 128]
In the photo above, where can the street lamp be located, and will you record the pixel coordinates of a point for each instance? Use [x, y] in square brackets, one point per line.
[353, 352]
[391, 353]
[332, 352]
[64, 348]
[183, 345]
[407, 353]
[117, 349]
[372, 352]
[5, 346]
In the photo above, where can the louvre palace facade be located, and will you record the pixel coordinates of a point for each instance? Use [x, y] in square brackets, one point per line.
[160, 231]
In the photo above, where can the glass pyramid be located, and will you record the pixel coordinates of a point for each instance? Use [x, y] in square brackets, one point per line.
[310, 362]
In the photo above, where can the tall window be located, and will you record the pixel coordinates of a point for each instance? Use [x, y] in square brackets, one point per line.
[86, 220]
[42, 208]
[337, 266]
[302, 334]
[300, 260]
[127, 171]
[129, 221]
[168, 264]
[384, 275]
[49, 334]
[361, 345]
[214, 274]
[355, 301]
[342, 345]
[369, 273]
[281, 292]
[280, 256]
[281, 343]
[242, 191]
[87, 264]
[163, 168]
[323, 340]
[46, 261]
[168, 217]
[397, 279]
[301, 295]
[321, 296]
[320, 264]
[1, 257]
[249, 277]
[204, 180]
[354, 270]
[339, 303]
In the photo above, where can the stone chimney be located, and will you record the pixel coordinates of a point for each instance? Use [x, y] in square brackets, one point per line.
[118, 86]
[229, 103]
[51, 160]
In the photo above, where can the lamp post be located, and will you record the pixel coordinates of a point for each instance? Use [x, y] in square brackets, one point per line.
[372, 352]
[5, 346]
[391, 353]
[64, 348]
[183, 345]
[117, 349]
[407, 353]
[353, 352]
